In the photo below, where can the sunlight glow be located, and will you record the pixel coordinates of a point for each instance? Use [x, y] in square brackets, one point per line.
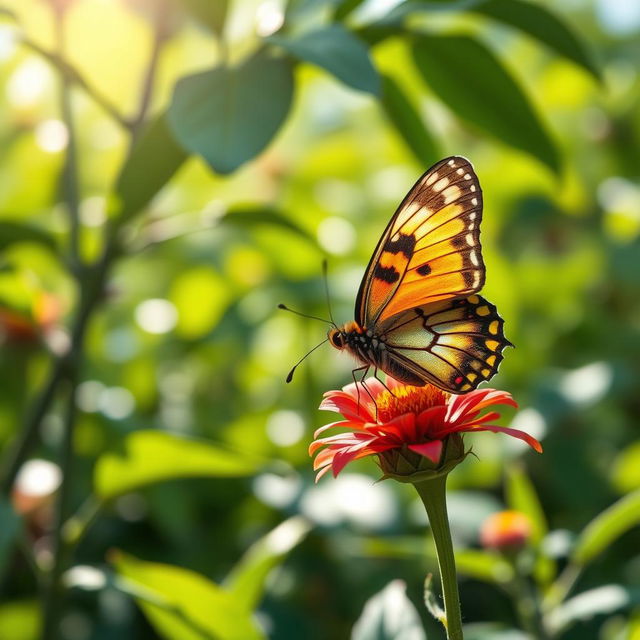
[52, 136]
[28, 83]
[336, 235]
[156, 315]
[353, 498]
[587, 385]
[38, 478]
[277, 491]
[285, 428]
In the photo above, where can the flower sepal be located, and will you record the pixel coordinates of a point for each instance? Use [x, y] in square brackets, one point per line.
[405, 465]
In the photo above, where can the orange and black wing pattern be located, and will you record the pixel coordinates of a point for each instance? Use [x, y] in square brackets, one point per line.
[430, 250]
[454, 344]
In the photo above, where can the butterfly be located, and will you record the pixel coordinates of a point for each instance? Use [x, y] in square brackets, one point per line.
[418, 317]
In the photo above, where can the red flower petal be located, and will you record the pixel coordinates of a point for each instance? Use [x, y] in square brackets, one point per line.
[347, 405]
[431, 450]
[516, 433]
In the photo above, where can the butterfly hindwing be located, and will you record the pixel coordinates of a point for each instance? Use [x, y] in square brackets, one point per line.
[453, 344]
[430, 249]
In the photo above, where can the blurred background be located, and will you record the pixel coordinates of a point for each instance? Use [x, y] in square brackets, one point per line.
[172, 170]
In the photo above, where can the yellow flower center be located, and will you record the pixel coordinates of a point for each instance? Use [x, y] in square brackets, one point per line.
[408, 399]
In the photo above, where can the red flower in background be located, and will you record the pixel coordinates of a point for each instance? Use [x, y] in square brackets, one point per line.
[405, 426]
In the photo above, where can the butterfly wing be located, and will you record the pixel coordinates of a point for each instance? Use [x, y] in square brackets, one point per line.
[430, 249]
[454, 344]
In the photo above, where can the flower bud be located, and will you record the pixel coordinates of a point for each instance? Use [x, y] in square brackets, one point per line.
[506, 531]
[406, 465]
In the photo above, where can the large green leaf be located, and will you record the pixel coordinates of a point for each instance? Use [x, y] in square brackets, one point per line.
[521, 496]
[183, 604]
[249, 216]
[228, 115]
[408, 122]
[15, 232]
[246, 580]
[473, 83]
[531, 18]
[211, 13]
[389, 615]
[155, 456]
[337, 50]
[606, 527]
[540, 23]
[603, 600]
[154, 159]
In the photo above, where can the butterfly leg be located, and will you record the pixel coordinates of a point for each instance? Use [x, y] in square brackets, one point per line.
[375, 375]
[361, 382]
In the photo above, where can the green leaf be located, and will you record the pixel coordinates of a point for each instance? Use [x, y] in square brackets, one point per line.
[626, 469]
[9, 530]
[543, 25]
[389, 615]
[483, 566]
[211, 13]
[15, 232]
[345, 8]
[603, 600]
[228, 115]
[201, 296]
[156, 456]
[521, 496]
[250, 216]
[153, 161]
[408, 123]
[246, 580]
[20, 619]
[473, 83]
[183, 604]
[606, 527]
[336, 50]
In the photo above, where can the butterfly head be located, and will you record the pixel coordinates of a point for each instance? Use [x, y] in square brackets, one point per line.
[337, 338]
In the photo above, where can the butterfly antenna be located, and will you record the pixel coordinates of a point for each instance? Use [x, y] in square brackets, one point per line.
[325, 269]
[306, 315]
[290, 375]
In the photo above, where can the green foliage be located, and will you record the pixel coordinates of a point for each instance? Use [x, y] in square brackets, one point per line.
[184, 604]
[408, 122]
[229, 114]
[162, 312]
[605, 528]
[389, 615]
[148, 457]
[543, 25]
[483, 94]
[246, 580]
[154, 158]
[338, 51]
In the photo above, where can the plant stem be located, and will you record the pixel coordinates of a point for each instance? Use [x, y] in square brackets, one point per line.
[159, 38]
[54, 593]
[70, 168]
[527, 605]
[432, 492]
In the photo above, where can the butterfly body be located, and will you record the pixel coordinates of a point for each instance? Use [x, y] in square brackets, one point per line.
[418, 317]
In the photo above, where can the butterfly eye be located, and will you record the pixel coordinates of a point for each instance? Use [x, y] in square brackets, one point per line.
[336, 339]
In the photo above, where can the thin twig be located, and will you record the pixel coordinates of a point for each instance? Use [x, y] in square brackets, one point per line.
[70, 168]
[75, 77]
[52, 609]
[159, 38]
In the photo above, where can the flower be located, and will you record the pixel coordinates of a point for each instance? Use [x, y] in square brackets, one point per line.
[411, 429]
[506, 530]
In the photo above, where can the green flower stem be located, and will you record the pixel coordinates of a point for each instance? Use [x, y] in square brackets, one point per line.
[432, 492]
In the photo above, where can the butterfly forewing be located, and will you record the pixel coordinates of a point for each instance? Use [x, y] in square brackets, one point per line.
[454, 344]
[430, 250]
